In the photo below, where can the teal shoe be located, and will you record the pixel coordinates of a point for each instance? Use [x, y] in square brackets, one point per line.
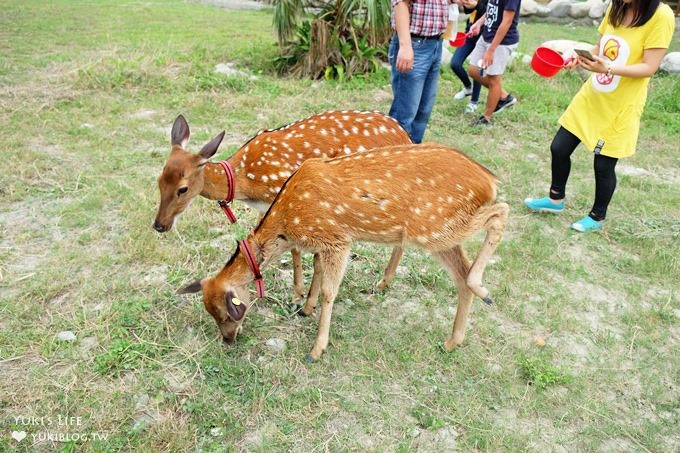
[587, 224]
[544, 205]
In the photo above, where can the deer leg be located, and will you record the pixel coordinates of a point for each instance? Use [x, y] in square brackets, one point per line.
[298, 277]
[314, 288]
[391, 268]
[334, 265]
[458, 266]
[494, 224]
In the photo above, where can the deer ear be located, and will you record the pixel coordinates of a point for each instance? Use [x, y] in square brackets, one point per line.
[210, 148]
[235, 307]
[180, 132]
[195, 287]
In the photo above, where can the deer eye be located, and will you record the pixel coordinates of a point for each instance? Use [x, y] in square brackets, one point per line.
[182, 191]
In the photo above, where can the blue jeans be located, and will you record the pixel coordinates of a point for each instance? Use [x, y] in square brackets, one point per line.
[415, 92]
[457, 61]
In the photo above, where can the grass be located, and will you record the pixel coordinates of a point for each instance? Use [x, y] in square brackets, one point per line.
[88, 92]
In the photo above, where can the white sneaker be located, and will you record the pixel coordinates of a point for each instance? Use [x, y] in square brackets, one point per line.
[471, 107]
[462, 94]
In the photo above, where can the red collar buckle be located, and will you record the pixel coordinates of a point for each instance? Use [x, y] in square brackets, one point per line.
[254, 268]
[224, 204]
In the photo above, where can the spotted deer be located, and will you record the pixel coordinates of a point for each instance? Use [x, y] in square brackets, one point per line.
[256, 172]
[427, 195]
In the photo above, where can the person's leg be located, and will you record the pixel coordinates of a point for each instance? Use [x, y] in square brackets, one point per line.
[561, 148]
[605, 184]
[493, 83]
[432, 51]
[457, 61]
[407, 88]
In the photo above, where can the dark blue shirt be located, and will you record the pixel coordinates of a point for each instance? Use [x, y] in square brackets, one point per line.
[494, 16]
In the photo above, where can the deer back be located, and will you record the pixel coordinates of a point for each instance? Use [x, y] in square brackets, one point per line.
[427, 195]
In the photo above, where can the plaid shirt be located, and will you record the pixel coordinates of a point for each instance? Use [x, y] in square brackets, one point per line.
[428, 17]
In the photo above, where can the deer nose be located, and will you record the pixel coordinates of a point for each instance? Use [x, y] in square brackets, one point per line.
[227, 340]
[158, 227]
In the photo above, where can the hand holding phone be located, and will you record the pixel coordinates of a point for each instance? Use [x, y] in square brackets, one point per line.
[584, 54]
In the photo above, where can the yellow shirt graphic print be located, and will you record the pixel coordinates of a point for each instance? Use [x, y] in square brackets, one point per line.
[605, 113]
[616, 50]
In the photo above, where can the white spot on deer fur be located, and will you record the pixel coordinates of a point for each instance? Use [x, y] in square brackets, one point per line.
[347, 150]
[257, 142]
[316, 151]
[296, 220]
[418, 181]
[274, 177]
[324, 132]
[345, 132]
[428, 204]
[302, 126]
[250, 176]
[306, 195]
[366, 133]
[284, 174]
[273, 189]
[449, 199]
[440, 210]
[264, 178]
[388, 174]
[300, 156]
[355, 130]
[345, 117]
[306, 145]
[361, 148]
[325, 204]
[416, 210]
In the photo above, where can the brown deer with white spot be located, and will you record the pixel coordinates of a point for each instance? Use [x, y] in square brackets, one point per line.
[256, 172]
[427, 195]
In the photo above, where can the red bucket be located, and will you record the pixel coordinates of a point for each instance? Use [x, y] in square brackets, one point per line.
[459, 40]
[547, 62]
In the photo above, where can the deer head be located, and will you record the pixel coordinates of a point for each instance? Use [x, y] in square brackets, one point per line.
[226, 304]
[182, 176]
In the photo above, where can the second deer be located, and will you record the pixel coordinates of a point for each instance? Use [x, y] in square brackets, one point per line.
[429, 196]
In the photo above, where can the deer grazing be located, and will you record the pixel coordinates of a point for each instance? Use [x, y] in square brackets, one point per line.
[256, 172]
[427, 195]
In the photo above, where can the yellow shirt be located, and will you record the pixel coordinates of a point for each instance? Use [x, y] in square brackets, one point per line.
[605, 113]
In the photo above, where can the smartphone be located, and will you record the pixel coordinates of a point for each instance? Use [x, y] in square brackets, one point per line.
[585, 54]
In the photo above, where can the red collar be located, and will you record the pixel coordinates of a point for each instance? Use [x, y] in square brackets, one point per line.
[224, 204]
[254, 268]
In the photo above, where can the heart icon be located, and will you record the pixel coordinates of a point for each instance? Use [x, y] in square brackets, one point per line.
[18, 435]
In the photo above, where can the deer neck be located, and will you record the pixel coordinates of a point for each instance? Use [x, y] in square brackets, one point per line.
[216, 182]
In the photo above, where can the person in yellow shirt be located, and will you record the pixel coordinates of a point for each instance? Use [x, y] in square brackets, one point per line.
[605, 114]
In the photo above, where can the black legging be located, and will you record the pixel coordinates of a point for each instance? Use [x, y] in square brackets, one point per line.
[561, 148]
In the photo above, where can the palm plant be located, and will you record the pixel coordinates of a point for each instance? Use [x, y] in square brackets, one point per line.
[331, 38]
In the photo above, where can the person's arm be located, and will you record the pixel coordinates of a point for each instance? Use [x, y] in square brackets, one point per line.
[506, 22]
[402, 20]
[477, 26]
[651, 59]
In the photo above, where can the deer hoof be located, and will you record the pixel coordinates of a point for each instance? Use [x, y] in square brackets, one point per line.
[488, 300]
[310, 359]
[450, 345]
[381, 286]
